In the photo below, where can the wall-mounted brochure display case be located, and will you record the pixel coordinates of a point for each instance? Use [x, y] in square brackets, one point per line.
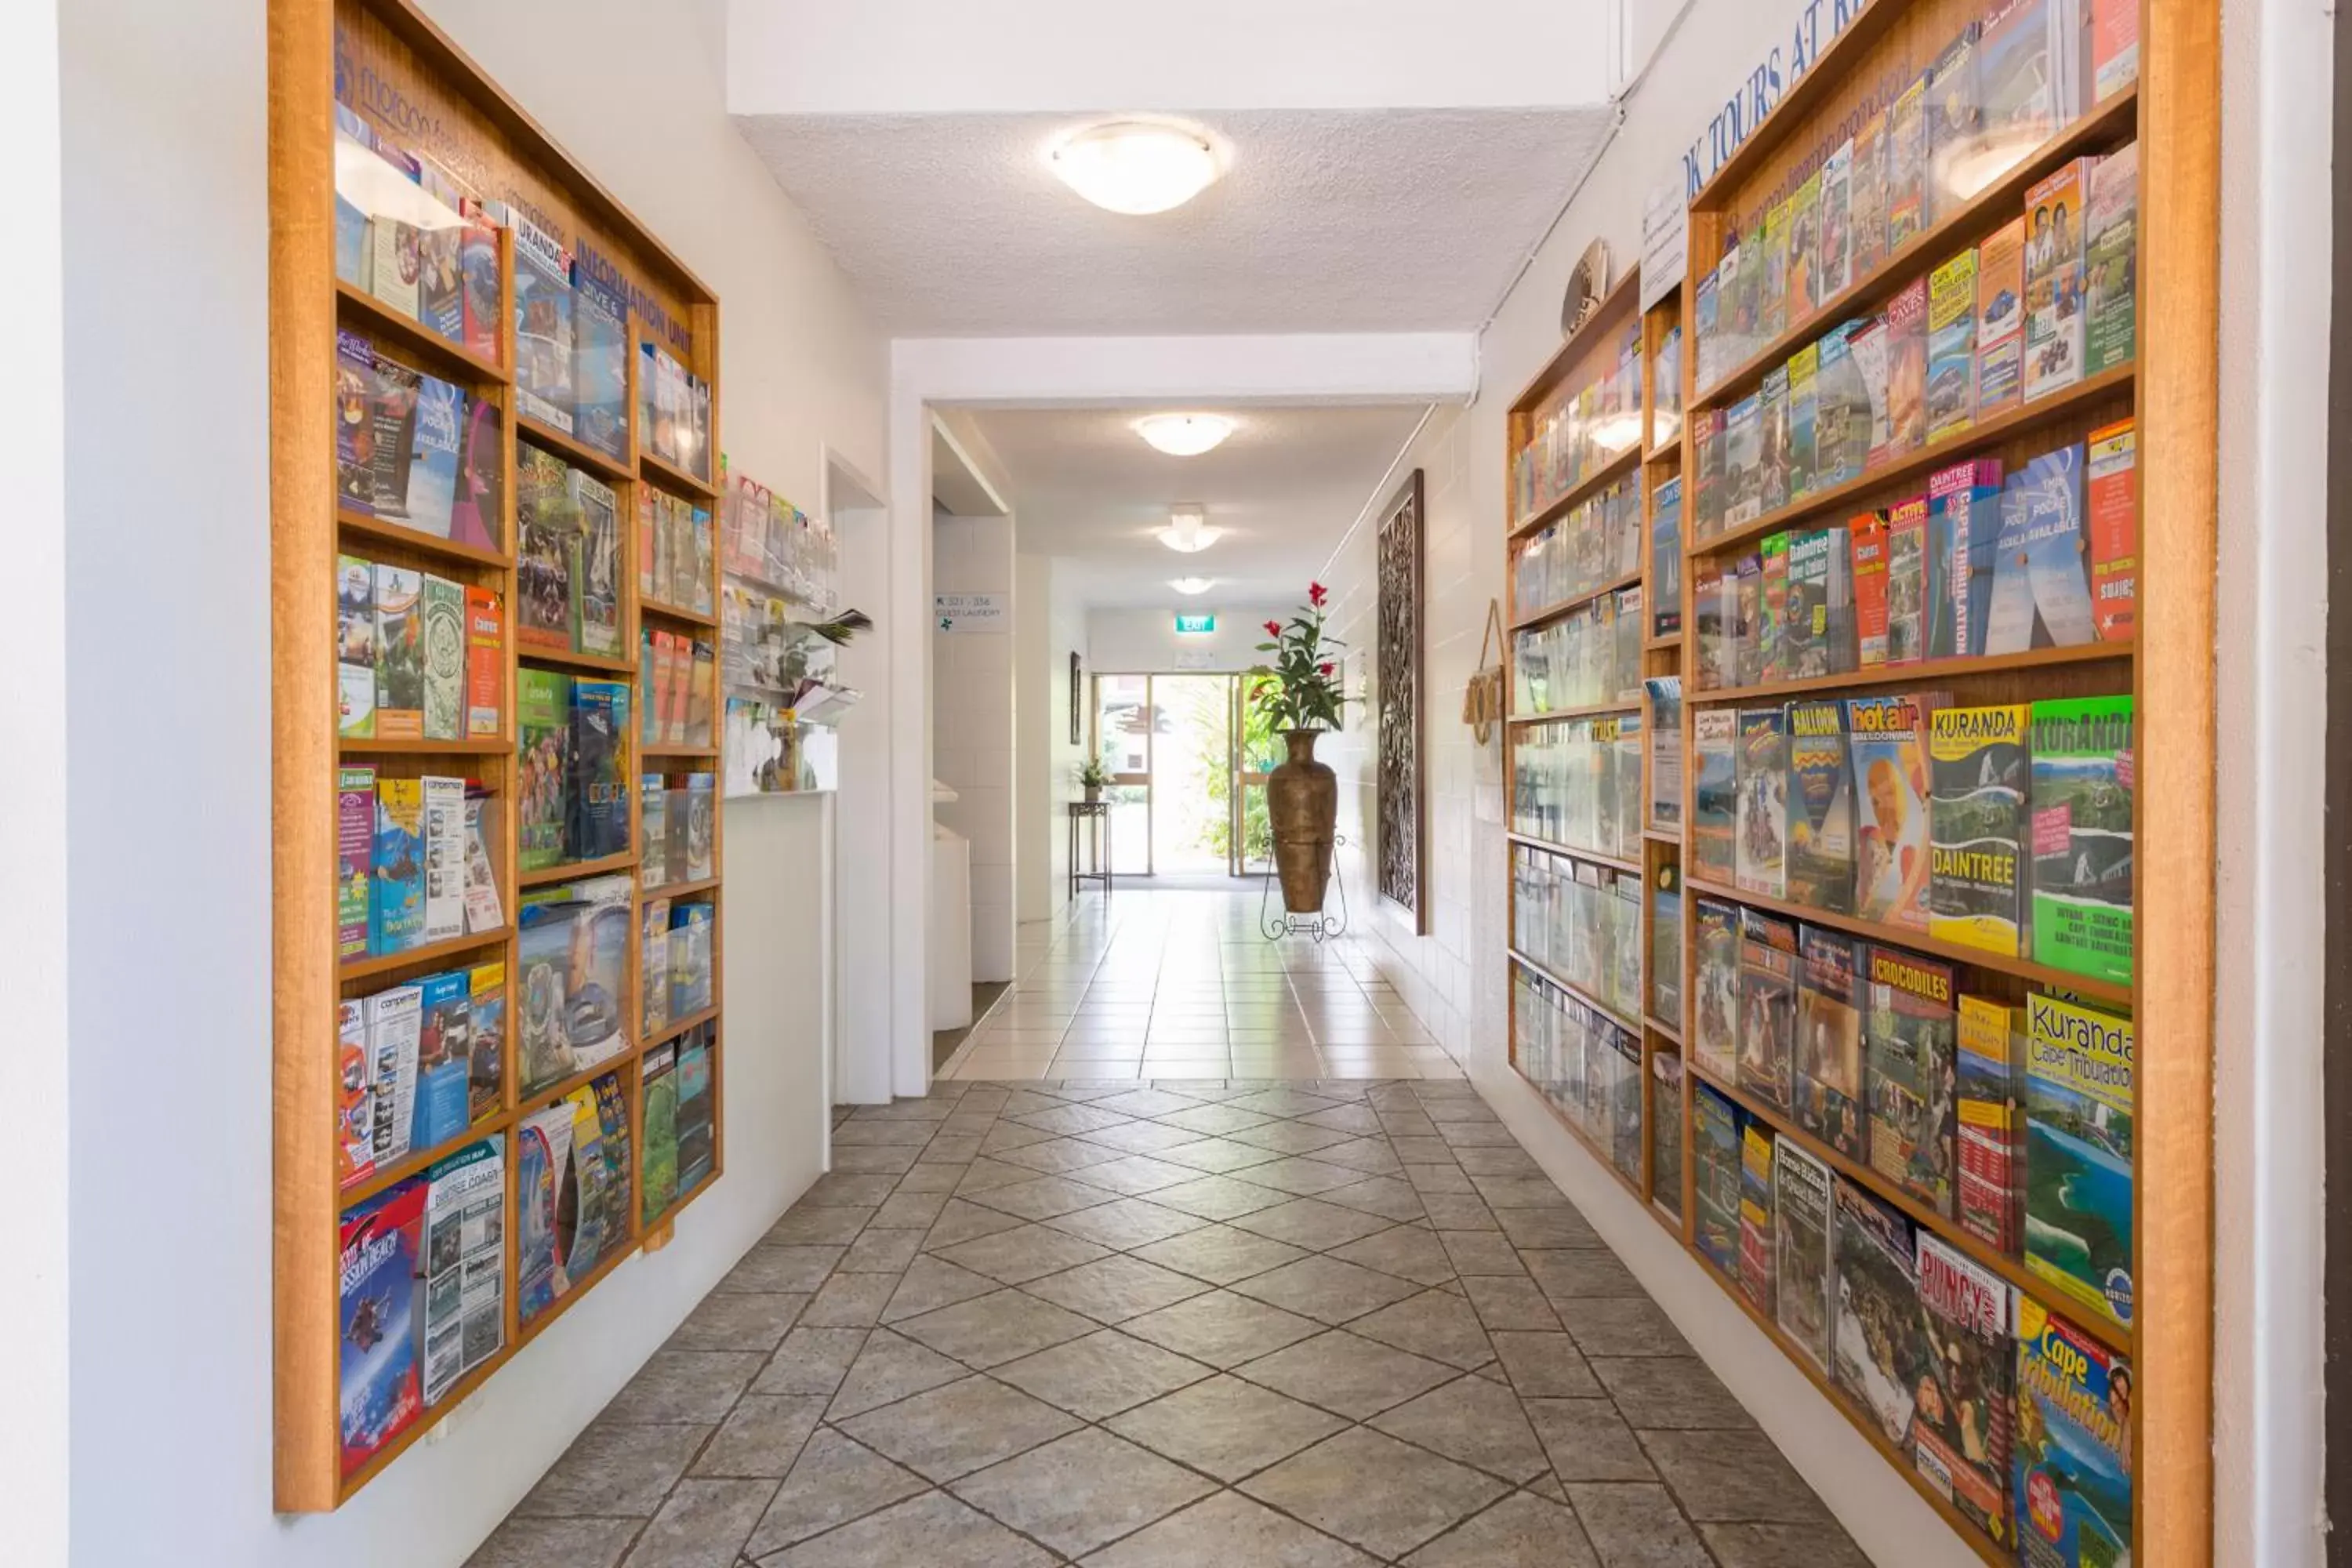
[497, 947]
[781, 622]
[1843, 933]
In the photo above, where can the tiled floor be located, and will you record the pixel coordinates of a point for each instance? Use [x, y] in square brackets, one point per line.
[1157, 1325]
[1182, 984]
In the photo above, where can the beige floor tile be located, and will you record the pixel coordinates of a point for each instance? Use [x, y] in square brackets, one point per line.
[1368, 1069]
[1010, 1058]
[1179, 1068]
[1103, 1050]
[1094, 1068]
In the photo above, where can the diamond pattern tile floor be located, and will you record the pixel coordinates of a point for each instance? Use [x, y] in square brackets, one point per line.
[1401, 1345]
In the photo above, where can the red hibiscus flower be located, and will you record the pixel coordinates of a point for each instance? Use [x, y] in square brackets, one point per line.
[1326, 667]
[1316, 594]
[1274, 629]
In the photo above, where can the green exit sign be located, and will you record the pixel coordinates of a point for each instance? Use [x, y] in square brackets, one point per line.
[1196, 622]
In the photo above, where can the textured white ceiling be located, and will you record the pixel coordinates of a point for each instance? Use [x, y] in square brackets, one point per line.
[1329, 221]
[1284, 486]
[925, 57]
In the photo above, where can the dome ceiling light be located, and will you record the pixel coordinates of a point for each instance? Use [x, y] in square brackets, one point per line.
[1184, 434]
[1136, 166]
[1187, 530]
[1193, 586]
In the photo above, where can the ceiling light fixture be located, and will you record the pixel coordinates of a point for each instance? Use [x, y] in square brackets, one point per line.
[1135, 166]
[1184, 434]
[1191, 586]
[1187, 528]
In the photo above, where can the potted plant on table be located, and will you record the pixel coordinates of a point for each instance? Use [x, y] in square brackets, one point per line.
[1298, 691]
[1092, 776]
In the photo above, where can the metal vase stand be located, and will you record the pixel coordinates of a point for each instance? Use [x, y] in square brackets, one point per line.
[1275, 924]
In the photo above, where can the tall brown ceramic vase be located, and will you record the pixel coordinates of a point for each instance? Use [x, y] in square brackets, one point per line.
[1302, 799]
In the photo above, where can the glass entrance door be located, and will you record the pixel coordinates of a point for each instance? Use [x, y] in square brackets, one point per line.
[1192, 774]
[1257, 750]
[1187, 758]
[1124, 720]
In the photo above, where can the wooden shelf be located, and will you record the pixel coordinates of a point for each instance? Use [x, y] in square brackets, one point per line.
[1576, 602]
[1583, 491]
[1962, 1526]
[1926, 672]
[417, 957]
[2171, 391]
[1596, 711]
[573, 450]
[603, 664]
[675, 749]
[526, 1332]
[677, 1026]
[1592, 856]
[675, 612]
[414, 1162]
[2054, 409]
[454, 1396]
[1830, 73]
[313, 44]
[577, 871]
[2111, 123]
[1632, 1026]
[416, 539]
[1950, 1230]
[1602, 1157]
[2025, 969]
[670, 476]
[379, 320]
[680, 889]
[1623, 300]
[662, 1222]
[527, 1102]
[374, 746]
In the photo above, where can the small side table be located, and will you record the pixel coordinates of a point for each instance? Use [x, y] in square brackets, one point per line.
[1096, 814]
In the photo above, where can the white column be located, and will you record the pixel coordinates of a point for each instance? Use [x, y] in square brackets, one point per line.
[33, 1142]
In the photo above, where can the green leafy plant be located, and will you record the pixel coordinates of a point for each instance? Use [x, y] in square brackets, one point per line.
[1093, 774]
[1260, 749]
[837, 631]
[1305, 692]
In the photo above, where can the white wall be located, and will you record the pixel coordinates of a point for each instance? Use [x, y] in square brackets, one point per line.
[2270, 1175]
[1050, 625]
[1070, 635]
[1146, 642]
[971, 727]
[168, 930]
[35, 1306]
[862, 930]
[1450, 977]
[1033, 717]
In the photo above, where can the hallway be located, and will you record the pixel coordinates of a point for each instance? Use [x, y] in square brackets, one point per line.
[1182, 984]
[1133, 1324]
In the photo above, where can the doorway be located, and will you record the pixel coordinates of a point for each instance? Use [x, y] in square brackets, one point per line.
[1188, 756]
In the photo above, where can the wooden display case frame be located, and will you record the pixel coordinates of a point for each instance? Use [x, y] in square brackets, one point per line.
[1588, 354]
[2171, 391]
[387, 51]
